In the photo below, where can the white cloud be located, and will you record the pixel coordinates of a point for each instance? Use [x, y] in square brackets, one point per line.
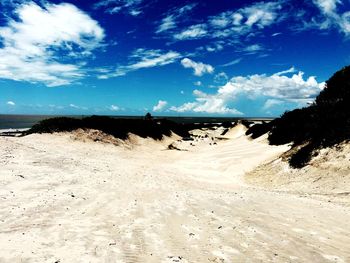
[34, 43]
[197, 83]
[193, 32]
[131, 7]
[276, 34]
[114, 108]
[283, 72]
[199, 68]
[261, 14]
[170, 20]
[253, 49]
[222, 20]
[73, 106]
[331, 16]
[327, 6]
[206, 103]
[167, 24]
[270, 103]
[77, 107]
[235, 23]
[221, 77]
[144, 59]
[231, 63]
[10, 103]
[160, 106]
[215, 47]
[276, 88]
[135, 12]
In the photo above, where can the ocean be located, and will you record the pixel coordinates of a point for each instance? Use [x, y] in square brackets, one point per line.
[27, 121]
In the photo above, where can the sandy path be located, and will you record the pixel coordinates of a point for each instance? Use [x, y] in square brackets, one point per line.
[69, 201]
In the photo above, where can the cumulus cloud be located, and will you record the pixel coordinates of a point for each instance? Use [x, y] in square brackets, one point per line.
[206, 103]
[199, 68]
[34, 44]
[10, 103]
[160, 105]
[277, 88]
[144, 58]
[131, 7]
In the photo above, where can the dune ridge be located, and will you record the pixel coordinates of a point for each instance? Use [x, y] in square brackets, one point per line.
[73, 199]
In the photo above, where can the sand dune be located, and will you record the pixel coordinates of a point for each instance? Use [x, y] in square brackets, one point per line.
[326, 177]
[68, 199]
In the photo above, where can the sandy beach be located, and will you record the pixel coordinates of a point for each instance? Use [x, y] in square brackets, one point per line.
[65, 198]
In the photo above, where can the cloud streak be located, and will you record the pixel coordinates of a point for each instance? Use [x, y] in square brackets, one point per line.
[132, 7]
[171, 19]
[144, 59]
[233, 24]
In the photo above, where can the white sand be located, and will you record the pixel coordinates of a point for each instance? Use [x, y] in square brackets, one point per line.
[327, 177]
[65, 200]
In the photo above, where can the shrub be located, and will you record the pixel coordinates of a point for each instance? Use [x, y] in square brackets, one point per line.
[258, 130]
[119, 128]
[324, 123]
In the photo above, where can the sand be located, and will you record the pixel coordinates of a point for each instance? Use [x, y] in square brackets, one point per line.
[326, 177]
[65, 198]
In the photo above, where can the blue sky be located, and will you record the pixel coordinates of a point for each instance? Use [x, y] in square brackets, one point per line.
[181, 58]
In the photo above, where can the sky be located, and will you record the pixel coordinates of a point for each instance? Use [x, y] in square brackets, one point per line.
[170, 58]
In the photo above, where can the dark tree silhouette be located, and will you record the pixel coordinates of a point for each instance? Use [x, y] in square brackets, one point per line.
[324, 123]
[148, 116]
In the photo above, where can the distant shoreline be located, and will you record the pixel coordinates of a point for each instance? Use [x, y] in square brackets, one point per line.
[15, 121]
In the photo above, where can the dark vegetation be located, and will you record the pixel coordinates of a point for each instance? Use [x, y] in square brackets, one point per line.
[119, 128]
[227, 125]
[246, 123]
[324, 123]
[259, 129]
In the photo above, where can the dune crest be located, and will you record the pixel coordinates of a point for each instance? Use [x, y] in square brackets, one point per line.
[327, 175]
[64, 199]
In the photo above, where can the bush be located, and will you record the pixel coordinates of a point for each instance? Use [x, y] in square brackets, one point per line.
[324, 123]
[119, 128]
[258, 130]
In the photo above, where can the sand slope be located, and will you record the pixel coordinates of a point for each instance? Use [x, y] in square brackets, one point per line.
[326, 177]
[64, 200]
